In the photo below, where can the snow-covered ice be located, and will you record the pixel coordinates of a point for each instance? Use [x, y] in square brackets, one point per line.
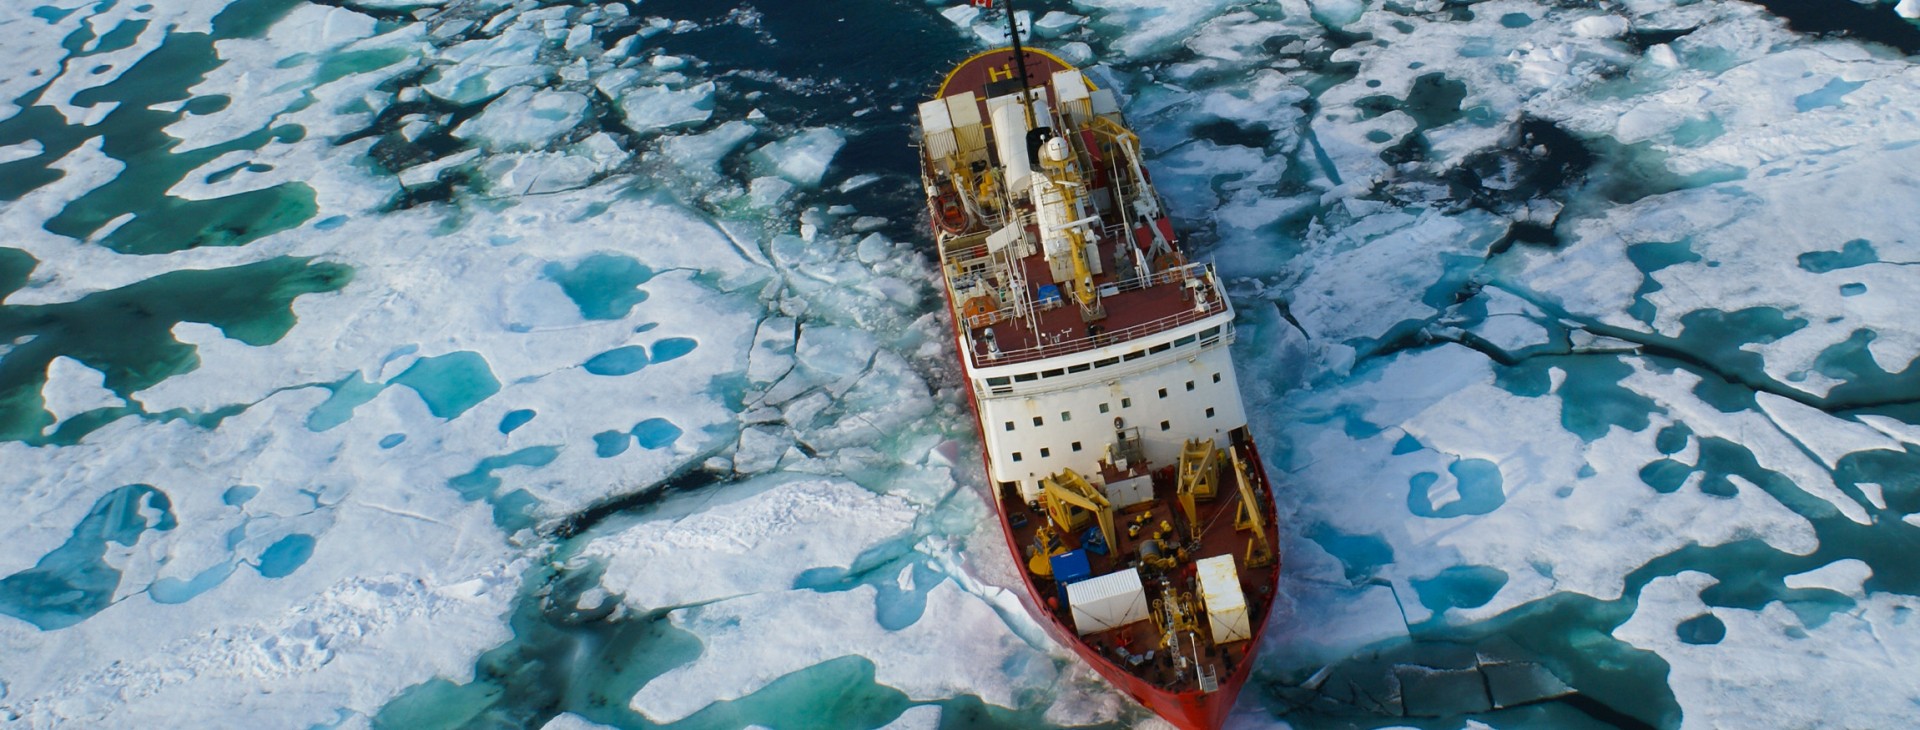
[714, 547]
[753, 640]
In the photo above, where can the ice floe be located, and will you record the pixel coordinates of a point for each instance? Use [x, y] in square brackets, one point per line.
[73, 388]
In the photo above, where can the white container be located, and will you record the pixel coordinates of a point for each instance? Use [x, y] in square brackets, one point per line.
[1109, 601]
[1226, 604]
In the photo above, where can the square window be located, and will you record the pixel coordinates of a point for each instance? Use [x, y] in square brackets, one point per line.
[1076, 446]
[1037, 421]
[1126, 402]
[1209, 412]
[1165, 426]
[1104, 408]
[1045, 452]
[1066, 416]
[1163, 392]
[1009, 425]
[1016, 456]
[1216, 377]
[1189, 385]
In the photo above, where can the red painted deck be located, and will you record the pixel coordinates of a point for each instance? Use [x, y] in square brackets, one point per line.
[1217, 538]
[1178, 702]
[997, 66]
[1164, 302]
[1141, 309]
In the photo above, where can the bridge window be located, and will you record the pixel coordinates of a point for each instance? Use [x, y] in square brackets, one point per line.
[1016, 456]
[1081, 368]
[1076, 446]
[1037, 421]
[1009, 425]
[1209, 412]
[1166, 426]
[1045, 452]
[1189, 386]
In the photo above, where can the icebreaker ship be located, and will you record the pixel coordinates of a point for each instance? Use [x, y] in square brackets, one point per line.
[1096, 355]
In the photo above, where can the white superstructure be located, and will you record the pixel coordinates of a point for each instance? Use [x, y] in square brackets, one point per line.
[1043, 416]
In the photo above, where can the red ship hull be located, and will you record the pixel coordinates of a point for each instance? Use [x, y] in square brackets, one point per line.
[1185, 710]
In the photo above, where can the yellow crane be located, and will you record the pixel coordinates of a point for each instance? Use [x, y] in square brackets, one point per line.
[1067, 491]
[1248, 517]
[1198, 465]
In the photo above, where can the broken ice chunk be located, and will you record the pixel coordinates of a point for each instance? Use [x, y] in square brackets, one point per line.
[655, 107]
[1603, 26]
[524, 118]
[802, 158]
[1055, 23]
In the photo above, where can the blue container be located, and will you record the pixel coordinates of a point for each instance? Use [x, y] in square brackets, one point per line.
[1070, 567]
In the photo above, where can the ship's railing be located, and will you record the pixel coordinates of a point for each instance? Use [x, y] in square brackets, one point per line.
[962, 258]
[1201, 272]
[1174, 275]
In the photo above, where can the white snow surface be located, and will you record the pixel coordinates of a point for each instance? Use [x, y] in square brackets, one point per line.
[753, 640]
[715, 545]
[570, 721]
[73, 388]
[393, 566]
[1585, 532]
[1743, 681]
[1841, 576]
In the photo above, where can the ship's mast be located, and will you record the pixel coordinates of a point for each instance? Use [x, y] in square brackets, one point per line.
[1020, 62]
